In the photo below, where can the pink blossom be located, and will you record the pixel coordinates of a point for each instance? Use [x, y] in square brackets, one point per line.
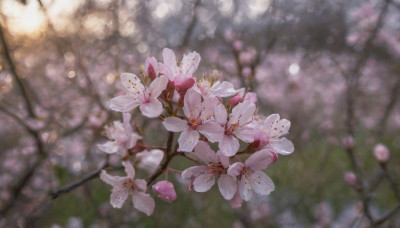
[237, 45]
[216, 89]
[180, 77]
[151, 68]
[123, 186]
[236, 127]
[381, 153]
[198, 120]
[140, 95]
[234, 100]
[250, 175]
[165, 191]
[203, 177]
[348, 142]
[270, 134]
[122, 137]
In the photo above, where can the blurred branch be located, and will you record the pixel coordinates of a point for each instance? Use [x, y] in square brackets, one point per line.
[192, 24]
[14, 72]
[388, 216]
[394, 96]
[78, 183]
[169, 154]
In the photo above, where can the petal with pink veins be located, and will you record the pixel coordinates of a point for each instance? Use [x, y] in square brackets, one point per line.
[194, 171]
[205, 153]
[245, 133]
[204, 182]
[282, 146]
[151, 109]
[261, 159]
[124, 103]
[227, 186]
[221, 115]
[212, 131]
[188, 140]
[229, 145]
[143, 202]
[175, 124]
[158, 86]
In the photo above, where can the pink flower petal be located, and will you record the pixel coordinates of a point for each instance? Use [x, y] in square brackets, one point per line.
[212, 131]
[261, 159]
[235, 169]
[194, 171]
[221, 115]
[236, 201]
[158, 86]
[227, 186]
[229, 145]
[245, 189]
[245, 133]
[129, 169]
[118, 197]
[169, 59]
[109, 147]
[124, 103]
[189, 64]
[188, 140]
[143, 202]
[132, 84]
[205, 153]
[111, 180]
[141, 184]
[151, 109]
[192, 103]
[242, 113]
[261, 183]
[225, 89]
[282, 146]
[175, 124]
[204, 182]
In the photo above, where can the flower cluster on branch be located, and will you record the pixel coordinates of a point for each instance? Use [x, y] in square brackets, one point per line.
[209, 115]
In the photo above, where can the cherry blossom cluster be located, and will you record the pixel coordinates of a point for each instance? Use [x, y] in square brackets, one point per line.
[218, 126]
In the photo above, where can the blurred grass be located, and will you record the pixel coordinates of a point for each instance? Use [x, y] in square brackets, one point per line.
[311, 175]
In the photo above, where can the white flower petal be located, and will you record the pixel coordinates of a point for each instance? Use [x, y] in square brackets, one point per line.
[229, 145]
[188, 140]
[132, 84]
[212, 131]
[282, 146]
[261, 159]
[204, 182]
[124, 103]
[245, 189]
[143, 202]
[151, 109]
[175, 124]
[205, 153]
[129, 169]
[158, 86]
[261, 183]
[118, 197]
[109, 147]
[227, 186]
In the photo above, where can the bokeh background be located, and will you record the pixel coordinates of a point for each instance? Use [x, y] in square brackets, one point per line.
[331, 67]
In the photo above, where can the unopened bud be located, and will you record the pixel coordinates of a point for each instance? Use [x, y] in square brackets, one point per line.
[234, 100]
[351, 180]
[349, 142]
[182, 87]
[381, 153]
[165, 191]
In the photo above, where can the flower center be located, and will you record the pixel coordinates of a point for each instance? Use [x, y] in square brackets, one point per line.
[129, 184]
[231, 128]
[216, 168]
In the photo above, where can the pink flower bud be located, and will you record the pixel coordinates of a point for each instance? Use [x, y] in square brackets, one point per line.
[165, 191]
[237, 45]
[250, 96]
[351, 179]
[182, 87]
[381, 153]
[348, 142]
[234, 100]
